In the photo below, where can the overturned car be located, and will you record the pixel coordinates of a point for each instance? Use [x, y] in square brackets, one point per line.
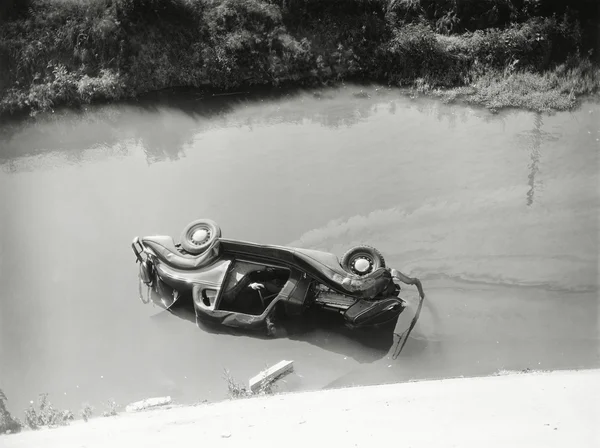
[249, 286]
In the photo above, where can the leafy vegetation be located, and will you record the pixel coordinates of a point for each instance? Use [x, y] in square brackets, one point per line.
[8, 424]
[236, 390]
[111, 408]
[556, 89]
[46, 414]
[71, 52]
[86, 412]
[43, 415]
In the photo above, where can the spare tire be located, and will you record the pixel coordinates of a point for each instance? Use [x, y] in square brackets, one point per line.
[362, 260]
[199, 235]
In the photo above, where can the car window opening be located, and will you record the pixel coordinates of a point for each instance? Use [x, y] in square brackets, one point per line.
[209, 297]
[250, 287]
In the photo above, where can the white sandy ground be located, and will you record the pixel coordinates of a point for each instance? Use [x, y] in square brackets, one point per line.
[549, 409]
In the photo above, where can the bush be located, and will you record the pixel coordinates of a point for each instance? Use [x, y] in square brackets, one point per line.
[86, 412]
[70, 52]
[535, 44]
[111, 409]
[46, 414]
[249, 44]
[61, 87]
[415, 53]
[8, 424]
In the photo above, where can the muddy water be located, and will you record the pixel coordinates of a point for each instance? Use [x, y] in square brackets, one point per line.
[497, 214]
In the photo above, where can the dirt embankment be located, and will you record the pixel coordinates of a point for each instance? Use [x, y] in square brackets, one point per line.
[536, 409]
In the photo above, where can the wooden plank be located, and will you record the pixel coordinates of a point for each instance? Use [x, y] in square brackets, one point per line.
[148, 403]
[271, 374]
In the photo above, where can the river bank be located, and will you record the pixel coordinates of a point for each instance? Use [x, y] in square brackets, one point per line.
[496, 54]
[532, 409]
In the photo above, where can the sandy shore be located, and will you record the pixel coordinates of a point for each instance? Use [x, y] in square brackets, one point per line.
[549, 409]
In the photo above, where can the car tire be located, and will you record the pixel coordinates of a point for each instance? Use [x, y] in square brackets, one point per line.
[212, 232]
[370, 254]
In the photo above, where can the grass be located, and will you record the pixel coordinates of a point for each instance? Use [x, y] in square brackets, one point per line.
[552, 90]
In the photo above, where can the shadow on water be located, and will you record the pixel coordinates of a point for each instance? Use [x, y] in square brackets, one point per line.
[321, 329]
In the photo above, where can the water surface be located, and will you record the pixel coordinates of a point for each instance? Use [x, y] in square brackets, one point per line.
[496, 213]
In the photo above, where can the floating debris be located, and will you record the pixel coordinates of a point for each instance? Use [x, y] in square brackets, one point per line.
[271, 374]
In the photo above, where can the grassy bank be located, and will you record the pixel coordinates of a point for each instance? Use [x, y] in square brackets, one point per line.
[499, 53]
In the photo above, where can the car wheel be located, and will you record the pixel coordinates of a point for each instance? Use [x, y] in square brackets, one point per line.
[362, 260]
[198, 235]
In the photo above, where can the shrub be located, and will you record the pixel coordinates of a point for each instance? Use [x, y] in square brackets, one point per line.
[46, 414]
[86, 412]
[535, 44]
[7, 422]
[405, 11]
[249, 44]
[70, 52]
[111, 408]
[415, 53]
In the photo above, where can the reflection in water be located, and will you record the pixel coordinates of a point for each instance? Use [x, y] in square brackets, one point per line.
[319, 328]
[533, 141]
[163, 125]
[162, 142]
[451, 114]
[392, 108]
[535, 157]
